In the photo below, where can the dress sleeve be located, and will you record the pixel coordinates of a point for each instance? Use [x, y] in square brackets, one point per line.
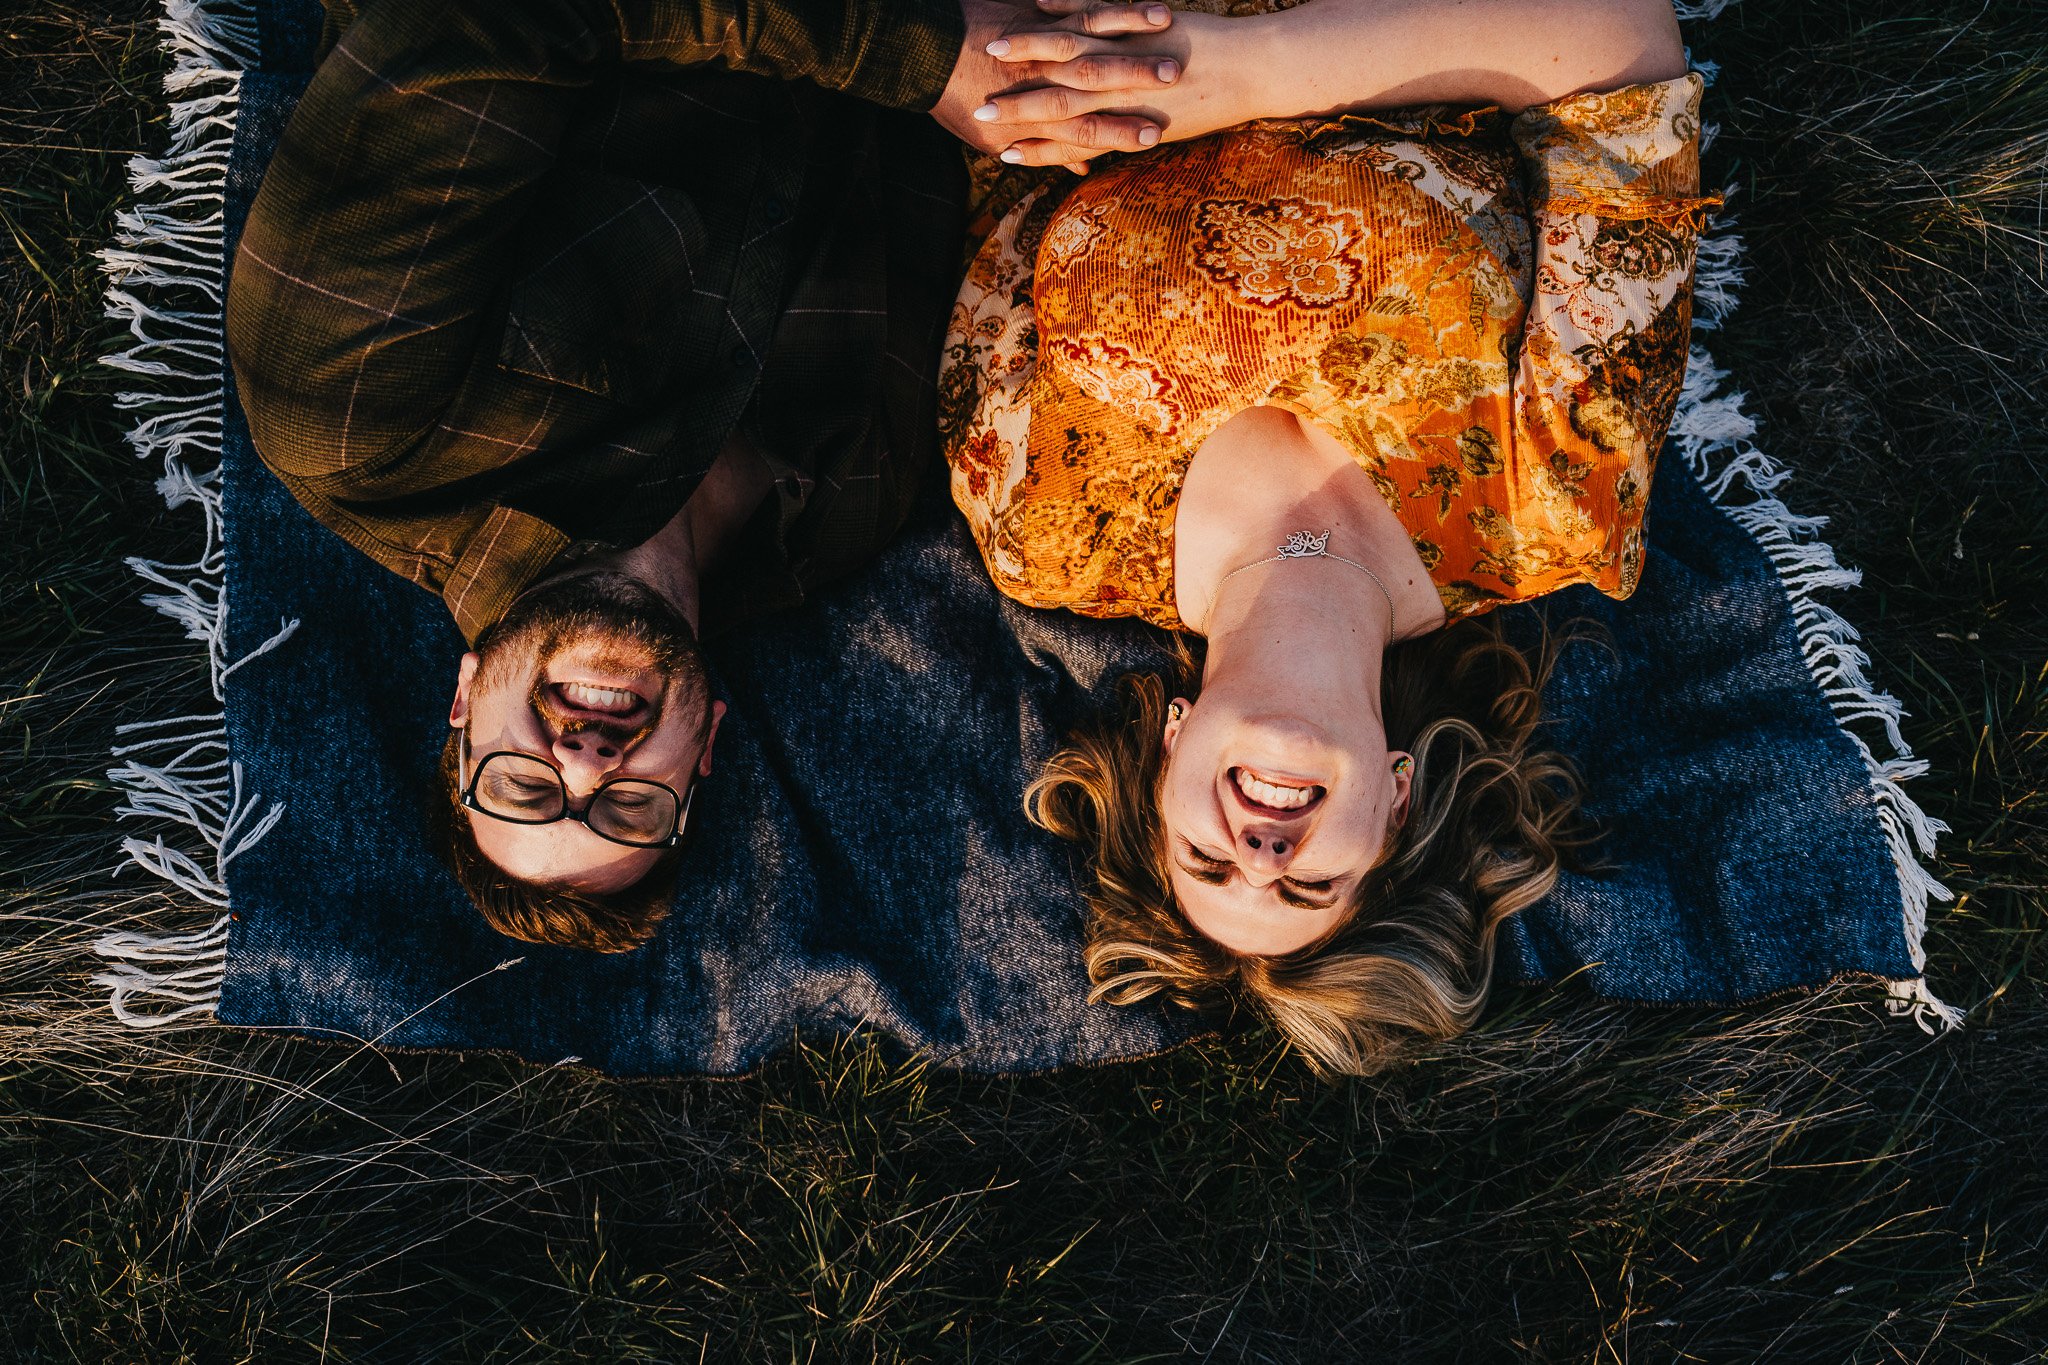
[985, 377]
[1615, 209]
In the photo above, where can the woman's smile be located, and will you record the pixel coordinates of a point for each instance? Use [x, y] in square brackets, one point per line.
[1276, 798]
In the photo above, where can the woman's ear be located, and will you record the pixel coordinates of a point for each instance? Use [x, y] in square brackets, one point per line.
[1176, 716]
[1404, 785]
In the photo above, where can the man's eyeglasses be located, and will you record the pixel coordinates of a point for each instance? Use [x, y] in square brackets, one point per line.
[525, 789]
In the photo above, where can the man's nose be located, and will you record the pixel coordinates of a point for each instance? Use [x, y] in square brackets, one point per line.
[586, 757]
[1264, 853]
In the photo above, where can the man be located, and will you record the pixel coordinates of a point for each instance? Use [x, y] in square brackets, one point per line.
[611, 323]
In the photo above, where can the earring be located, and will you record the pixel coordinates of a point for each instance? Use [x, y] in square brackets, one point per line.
[1402, 765]
[1175, 711]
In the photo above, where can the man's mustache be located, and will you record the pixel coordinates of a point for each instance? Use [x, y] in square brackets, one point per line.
[566, 723]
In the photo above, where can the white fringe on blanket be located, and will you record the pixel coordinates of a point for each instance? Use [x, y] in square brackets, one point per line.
[165, 279]
[1715, 436]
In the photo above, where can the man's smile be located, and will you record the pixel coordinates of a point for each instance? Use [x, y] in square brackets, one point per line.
[610, 701]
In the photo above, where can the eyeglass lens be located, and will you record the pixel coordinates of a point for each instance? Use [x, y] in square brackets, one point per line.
[525, 790]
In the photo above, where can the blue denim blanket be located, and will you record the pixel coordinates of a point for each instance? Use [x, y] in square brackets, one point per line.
[865, 860]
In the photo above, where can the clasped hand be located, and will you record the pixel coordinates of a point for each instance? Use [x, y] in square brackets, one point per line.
[1055, 83]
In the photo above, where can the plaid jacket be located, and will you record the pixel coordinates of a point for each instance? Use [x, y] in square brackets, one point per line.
[521, 267]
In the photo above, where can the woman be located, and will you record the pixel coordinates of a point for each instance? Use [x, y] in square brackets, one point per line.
[1315, 389]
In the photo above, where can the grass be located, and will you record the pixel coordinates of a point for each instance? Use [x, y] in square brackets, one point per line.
[1575, 1182]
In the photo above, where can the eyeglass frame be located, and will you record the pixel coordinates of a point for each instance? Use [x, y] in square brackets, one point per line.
[682, 799]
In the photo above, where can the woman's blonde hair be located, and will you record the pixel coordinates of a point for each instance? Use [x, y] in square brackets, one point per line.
[1492, 818]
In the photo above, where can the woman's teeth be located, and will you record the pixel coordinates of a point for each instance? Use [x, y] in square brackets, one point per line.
[1273, 796]
[590, 698]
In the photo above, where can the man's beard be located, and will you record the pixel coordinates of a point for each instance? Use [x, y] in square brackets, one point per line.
[617, 612]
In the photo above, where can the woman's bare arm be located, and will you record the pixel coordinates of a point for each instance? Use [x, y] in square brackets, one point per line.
[1328, 56]
[1332, 55]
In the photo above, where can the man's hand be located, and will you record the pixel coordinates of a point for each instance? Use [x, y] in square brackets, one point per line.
[1334, 56]
[1104, 74]
[1232, 78]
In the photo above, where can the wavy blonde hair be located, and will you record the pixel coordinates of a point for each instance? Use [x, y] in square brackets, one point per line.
[1492, 819]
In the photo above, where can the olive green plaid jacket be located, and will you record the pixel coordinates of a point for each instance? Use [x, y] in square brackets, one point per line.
[521, 267]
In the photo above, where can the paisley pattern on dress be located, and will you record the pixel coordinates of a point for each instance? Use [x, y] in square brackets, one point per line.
[1111, 375]
[1281, 251]
[1071, 237]
[982, 460]
[1491, 314]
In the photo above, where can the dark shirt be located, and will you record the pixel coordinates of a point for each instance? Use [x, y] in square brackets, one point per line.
[521, 268]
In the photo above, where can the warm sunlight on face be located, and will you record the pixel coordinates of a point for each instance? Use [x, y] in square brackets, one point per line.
[599, 696]
[596, 722]
[1271, 823]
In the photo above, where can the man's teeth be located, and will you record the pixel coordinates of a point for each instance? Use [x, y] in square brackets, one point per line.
[1267, 794]
[599, 698]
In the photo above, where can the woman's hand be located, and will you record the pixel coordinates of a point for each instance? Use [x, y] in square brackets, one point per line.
[1114, 69]
[1208, 78]
[1328, 56]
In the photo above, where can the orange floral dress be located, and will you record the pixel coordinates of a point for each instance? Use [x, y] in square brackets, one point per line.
[1491, 314]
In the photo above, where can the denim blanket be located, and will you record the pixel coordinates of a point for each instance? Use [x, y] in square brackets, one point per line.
[865, 862]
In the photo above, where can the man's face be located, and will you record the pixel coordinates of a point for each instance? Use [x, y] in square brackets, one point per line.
[601, 677]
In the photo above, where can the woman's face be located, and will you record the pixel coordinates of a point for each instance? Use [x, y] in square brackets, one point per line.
[1272, 819]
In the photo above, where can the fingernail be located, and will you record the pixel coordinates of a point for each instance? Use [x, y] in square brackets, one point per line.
[999, 48]
[1169, 71]
[1155, 14]
[1148, 137]
[1012, 155]
[988, 113]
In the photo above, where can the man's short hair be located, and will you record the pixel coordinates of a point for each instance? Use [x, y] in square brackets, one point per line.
[614, 922]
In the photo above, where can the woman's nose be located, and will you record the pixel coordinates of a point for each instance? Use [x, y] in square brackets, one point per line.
[1264, 850]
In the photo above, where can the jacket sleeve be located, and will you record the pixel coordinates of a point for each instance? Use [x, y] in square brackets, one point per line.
[1615, 208]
